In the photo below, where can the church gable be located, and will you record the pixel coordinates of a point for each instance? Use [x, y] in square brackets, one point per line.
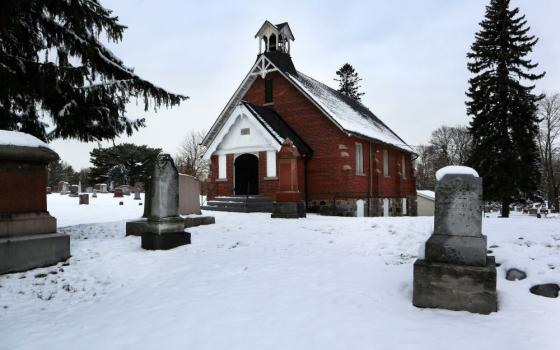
[349, 116]
[243, 133]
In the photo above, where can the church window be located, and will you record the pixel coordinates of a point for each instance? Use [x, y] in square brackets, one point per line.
[359, 159]
[268, 91]
[385, 163]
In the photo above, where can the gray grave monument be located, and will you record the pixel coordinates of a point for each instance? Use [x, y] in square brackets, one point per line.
[137, 194]
[164, 228]
[456, 273]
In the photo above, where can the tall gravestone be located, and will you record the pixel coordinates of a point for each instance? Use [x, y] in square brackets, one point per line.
[28, 237]
[456, 273]
[164, 228]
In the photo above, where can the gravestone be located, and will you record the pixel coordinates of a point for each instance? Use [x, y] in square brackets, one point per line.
[84, 198]
[94, 195]
[89, 189]
[103, 188]
[456, 273]
[125, 190]
[28, 236]
[49, 190]
[74, 191]
[117, 192]
[63, 187]
[137, 194]
[164, 228]
[189, 195]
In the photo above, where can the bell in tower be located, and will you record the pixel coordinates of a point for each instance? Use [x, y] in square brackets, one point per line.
[275, 37]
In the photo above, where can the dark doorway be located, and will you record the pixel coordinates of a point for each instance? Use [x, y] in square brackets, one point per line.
[246, 174]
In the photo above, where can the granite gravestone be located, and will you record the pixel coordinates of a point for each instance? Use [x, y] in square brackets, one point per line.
[164, 228]
[84, 198]
[456, 274]
[74, 191]
[28, 235]
[137, 194]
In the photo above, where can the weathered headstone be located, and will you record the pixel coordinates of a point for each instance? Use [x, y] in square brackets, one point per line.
[84, 198]
[456, 274]
[189, 195]
[94, 195]
[164, 228]
[103, 188]
[125, 190]
[89, 189]
[28, 237]
[74, 191]
[117, 192]
[137, 194]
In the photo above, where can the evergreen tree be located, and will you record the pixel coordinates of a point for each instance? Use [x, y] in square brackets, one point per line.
[53, 65]
[60, 171]
[137, 162]
[504, 125]
[348, 80]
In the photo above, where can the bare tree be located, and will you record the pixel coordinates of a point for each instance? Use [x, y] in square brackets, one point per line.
[189, 158]
[447, 146]
[548, 137]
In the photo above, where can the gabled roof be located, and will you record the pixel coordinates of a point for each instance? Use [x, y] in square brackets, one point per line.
[347, 114]
[272, 121]
[283, 28]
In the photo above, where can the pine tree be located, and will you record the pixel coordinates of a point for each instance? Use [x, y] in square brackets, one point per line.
[137, 162]
[348, 82]
[53, 68]
[504, 125]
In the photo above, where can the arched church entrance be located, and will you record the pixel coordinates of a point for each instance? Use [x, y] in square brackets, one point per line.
[246, 168]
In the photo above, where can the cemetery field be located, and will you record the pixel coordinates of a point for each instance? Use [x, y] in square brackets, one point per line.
[251, 282]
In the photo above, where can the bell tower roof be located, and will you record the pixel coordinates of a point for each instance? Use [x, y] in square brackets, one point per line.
[275, 37]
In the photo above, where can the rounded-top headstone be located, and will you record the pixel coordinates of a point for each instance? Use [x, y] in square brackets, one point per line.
[165, 188]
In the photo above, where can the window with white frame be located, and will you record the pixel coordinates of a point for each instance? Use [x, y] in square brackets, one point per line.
[385, 163]
[359, 159]
[271, 164]
[222, 166]
[403, 167]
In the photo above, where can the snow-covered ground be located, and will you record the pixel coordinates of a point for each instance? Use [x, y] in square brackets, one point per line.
[251, 282]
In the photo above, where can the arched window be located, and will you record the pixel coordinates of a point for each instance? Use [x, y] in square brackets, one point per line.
[272, 43]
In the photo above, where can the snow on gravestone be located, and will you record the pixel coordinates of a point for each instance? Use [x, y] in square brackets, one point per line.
[164, 228]
[456, 273]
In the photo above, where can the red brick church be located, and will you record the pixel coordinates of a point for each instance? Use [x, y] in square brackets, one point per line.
[351, 163]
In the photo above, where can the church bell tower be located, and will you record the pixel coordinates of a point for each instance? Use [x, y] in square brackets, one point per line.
[275, 37]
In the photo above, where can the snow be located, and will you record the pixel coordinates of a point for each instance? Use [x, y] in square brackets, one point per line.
[347, 117]
[455, 169]
[16, 138]
[427, 194]
[252, 282]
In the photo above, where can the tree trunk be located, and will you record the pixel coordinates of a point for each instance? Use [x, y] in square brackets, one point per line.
[505, 208]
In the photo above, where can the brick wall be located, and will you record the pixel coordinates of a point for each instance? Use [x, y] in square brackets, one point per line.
[331, 172]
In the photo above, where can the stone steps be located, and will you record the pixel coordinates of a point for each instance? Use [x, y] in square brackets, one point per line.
[240, 204]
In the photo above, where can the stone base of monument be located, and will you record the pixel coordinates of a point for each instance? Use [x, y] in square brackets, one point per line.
[288, 210]
[26, 252]
[455, 287]
[138, 227]
[162, 234]
[463, 250]
[199, 220]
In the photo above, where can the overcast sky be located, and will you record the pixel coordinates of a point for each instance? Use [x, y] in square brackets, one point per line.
[410, 55]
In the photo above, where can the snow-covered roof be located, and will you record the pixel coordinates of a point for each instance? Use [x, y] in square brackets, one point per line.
[16, 138]
[346, 113]
[426, 194]
[455, 169]
[350, 115]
